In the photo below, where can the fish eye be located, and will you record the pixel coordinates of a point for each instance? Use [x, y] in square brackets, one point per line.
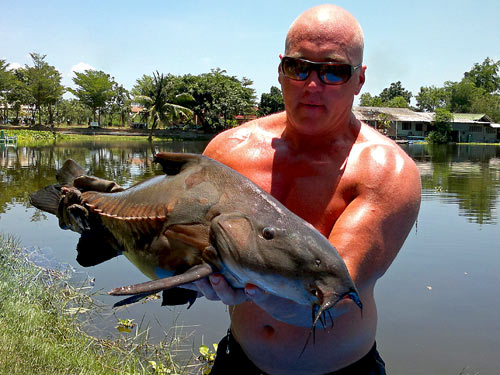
[268, 233]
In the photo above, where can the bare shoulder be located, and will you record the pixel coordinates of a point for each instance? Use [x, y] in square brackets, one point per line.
[240, 141]
[384, 168]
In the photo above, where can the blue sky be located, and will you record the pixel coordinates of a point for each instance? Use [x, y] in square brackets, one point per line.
[419, 43]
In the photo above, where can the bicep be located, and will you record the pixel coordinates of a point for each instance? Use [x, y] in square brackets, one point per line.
[373, 227]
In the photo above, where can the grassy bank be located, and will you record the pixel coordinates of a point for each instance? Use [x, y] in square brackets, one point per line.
[39, 333]
[43, 138]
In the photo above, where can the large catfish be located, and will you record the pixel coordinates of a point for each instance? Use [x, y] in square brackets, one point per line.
[198, 218]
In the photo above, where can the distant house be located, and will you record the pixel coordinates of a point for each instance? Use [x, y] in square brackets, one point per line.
[472, 127]
[240, 119]
[403, 123]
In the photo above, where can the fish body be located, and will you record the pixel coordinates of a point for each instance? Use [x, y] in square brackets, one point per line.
[200, 217]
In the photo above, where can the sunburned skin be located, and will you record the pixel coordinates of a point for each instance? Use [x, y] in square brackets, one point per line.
[357, 187]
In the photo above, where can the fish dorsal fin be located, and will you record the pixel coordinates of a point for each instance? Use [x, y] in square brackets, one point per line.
[172, 163]
[69, 171]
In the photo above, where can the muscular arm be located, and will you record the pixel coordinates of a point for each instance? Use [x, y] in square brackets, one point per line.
[381, 207]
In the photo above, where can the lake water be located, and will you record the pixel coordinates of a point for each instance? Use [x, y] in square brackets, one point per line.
[438, 304]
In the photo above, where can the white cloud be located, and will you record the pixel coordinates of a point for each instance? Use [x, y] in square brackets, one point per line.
[81, 67]
[13, 66]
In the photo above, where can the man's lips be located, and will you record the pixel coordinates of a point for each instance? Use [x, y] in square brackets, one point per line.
[312, 105]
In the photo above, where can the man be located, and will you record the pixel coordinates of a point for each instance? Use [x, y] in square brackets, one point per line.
[353, 184]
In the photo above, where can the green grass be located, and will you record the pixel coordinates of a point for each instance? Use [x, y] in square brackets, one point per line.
[33, 138]
[41, 334]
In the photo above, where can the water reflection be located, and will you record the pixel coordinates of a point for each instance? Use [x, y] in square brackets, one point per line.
[440, 330]
[468, 176]
[25, 169]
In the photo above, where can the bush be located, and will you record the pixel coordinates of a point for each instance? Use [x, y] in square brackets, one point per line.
[441, 127]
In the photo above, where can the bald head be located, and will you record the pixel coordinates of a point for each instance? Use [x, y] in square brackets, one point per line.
[328, 23]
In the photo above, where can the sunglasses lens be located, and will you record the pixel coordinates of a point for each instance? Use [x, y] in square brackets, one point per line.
[295, 69]
[335, 74]
[330, 74]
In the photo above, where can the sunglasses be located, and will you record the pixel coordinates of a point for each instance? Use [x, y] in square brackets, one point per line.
[330, 73]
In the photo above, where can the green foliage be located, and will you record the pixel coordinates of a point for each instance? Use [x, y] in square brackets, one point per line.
[367, 100]
[441, 127]
[394, 96]
[43, 84]
[271, 102]
[395, 90]
[6, 78]
[477, 92]
[152, 92]
[72, 111]
[95, 89]
[39, 333]
[485, 76]
[207, 358]
[219, 97]
[430, 98]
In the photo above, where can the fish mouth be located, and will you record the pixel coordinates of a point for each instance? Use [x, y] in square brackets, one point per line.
[319, 309]
[327, 303]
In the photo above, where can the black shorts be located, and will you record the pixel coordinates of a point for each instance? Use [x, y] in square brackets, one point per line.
[236, 362]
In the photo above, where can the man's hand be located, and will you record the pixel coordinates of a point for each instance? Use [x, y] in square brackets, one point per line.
[216, 288]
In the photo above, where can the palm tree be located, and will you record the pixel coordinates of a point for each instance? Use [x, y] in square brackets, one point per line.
[151, 93]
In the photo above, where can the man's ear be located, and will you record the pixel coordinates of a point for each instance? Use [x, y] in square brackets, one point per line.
[279, 69]
[361, 79]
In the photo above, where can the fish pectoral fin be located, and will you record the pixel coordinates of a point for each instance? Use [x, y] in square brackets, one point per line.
[172, 163]
[133, 299]
[194, 273]
[178, 296]
[94, 247]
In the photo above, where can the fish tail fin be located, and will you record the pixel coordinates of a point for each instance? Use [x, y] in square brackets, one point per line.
[68, 172]
[47, 199]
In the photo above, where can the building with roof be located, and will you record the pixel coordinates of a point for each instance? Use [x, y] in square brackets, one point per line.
[403, 123]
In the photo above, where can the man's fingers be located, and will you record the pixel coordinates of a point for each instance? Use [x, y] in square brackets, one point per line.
[225, 292]
[255, 293]
[205, 287]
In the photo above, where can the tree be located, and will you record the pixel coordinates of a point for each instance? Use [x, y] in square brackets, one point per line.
[485, 76]
[6, 80]
[394, 96]
[441, 127]
[95, 90]
[462, 95]
[219, 97]
[43, 83]
[430, 98]
[72, 111]
[152, 93]
[394, 90]
[19, 93]
[120, 103]
[397, 102]
[271, 102]
[366, 100]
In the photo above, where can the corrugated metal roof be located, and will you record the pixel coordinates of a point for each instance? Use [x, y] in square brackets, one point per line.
[470, 117]
[406, 114]
[394, 114]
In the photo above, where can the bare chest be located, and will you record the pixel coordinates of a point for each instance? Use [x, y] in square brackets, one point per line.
[316, 191]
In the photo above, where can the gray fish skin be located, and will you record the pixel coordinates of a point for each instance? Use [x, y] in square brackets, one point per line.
[202, 212]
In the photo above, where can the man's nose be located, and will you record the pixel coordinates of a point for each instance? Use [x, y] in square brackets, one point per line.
[313, 83]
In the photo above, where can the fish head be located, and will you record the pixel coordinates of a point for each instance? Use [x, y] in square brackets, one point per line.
[290, 259]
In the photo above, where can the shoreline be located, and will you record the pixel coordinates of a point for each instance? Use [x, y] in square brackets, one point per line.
[118, 131]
